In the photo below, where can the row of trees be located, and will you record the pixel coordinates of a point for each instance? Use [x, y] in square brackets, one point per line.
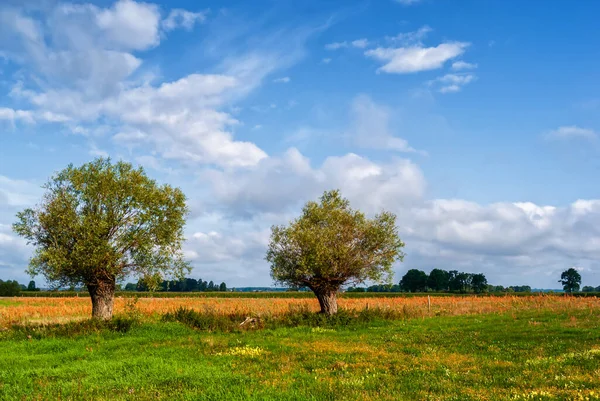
[13, 288]
[185, 285]
[398, 288]
[441, 280]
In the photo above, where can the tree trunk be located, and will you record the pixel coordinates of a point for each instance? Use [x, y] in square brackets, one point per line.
[103, 297]
[327, 301]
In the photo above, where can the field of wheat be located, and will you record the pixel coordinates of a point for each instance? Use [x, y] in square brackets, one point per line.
[54, 310]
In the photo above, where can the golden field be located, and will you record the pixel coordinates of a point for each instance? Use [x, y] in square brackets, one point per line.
[53, 310]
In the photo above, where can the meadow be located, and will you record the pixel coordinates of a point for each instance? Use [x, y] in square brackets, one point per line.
[542, 347]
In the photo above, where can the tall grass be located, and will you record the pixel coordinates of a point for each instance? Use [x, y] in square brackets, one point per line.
[62, 310]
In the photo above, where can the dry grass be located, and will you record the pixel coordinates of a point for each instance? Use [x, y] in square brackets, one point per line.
[52, 310]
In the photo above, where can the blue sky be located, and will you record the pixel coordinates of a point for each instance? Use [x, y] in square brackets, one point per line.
[476, 122]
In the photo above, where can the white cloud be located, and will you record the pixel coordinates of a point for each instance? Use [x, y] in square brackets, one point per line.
[336, 45]
[130, 25]
[572, 132]
[12, 115]
[183, 18]
[463, 65]
[326, 61]
[451, 83]
[18, 193]
[360, 43]
[282, 80]
[370, 127]
[407, 39]
[277, 184]
[14, 252]
[405, 60]
[97, 152]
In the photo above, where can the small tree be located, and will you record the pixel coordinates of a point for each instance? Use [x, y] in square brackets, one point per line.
[570, 279]
[332, 245]
[414, 280]
[102, 222]
[31, 286]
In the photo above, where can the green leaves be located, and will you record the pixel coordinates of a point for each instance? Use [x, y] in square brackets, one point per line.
[331, 244]
[103, 221]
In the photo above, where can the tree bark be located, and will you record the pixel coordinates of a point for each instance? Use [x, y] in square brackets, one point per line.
[327, 301]
[103, 298]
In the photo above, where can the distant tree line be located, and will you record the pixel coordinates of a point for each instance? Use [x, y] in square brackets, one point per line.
[439, 280]
[185, 285]
[13, 288]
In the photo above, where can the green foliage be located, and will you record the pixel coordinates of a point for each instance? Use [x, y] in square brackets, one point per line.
[414, 281]
[331, 245]
[101, 222]
[31, 286]
[438, 280]
[459, 281]
[9, 288]
[479, 283]
[570, 280]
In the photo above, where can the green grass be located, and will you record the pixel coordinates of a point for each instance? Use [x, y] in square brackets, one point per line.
[478, 357]
[8, 302]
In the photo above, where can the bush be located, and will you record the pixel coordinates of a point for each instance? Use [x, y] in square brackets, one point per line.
[208, 321]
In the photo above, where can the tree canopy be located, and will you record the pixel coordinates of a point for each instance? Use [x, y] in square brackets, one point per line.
[331, 245]
[9, 288]
[570, 279]
[438, 280]
[101, 222]
[414, 281]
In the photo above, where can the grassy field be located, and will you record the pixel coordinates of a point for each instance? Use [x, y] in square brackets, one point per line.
[537, 348]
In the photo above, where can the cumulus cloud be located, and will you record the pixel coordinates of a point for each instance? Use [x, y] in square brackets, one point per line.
[17, 193]
[11, 115]
[572, 132]
[370, 127]
[277, 184]
[14, 253]
[463, 65]
[182, 18]
[336, 45]
[404, 60]
[127, 24]
[358, 43]
[93, 82]
[451, 83]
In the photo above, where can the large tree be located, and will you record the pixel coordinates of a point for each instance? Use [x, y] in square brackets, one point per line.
[479, 283]
[331, 245]
[102, 222]
[570, 279]
[438, 280]
[414, 281]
